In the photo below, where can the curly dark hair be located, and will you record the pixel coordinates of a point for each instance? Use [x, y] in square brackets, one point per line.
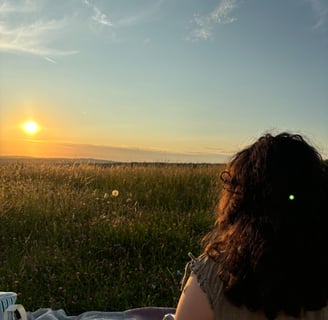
[271, 235]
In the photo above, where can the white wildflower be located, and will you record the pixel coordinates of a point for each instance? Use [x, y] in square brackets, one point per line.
[115, 193]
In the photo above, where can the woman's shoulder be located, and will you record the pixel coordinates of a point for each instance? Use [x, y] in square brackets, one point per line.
[207, 272]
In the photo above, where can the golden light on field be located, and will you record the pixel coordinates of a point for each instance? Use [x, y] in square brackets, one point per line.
[31, 127]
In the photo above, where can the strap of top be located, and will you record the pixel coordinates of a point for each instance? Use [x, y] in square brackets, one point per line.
[207, 272]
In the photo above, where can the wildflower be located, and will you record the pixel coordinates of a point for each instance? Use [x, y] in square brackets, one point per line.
[106, 195]
[115, 193]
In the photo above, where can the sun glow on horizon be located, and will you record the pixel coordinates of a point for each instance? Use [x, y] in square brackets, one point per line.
[31, 127]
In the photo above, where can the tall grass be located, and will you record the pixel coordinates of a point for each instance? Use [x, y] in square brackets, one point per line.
[68, 241]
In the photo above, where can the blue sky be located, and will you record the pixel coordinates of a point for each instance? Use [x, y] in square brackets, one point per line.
[161, 80]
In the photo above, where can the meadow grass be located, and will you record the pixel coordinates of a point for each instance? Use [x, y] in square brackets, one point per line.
[83, 237]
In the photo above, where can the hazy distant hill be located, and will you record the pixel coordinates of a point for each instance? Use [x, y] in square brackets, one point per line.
[91, 161]
[54, 160]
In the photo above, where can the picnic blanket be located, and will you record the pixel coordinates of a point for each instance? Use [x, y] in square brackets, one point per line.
[146, 313]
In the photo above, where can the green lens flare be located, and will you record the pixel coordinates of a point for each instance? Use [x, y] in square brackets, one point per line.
[291, 197]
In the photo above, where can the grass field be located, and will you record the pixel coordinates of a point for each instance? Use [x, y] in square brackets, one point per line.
[89, 237]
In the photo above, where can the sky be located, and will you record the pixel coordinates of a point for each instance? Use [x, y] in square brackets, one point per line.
[160, 80]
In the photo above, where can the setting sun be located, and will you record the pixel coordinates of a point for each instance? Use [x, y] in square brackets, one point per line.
[31, 127]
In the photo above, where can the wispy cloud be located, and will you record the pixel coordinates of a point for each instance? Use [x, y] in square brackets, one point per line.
[32, 37]
[98, 16]
[40, 148]
[203, 25]
[320, 11]
[50, 60]
[139, 16]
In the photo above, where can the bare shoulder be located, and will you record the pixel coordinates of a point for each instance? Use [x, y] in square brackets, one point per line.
[193, 303]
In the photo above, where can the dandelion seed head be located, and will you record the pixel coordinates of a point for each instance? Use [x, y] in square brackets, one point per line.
[115, 193]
